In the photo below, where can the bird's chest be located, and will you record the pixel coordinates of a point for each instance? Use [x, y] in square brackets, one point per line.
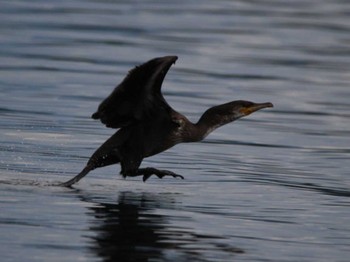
[146, 139]
[157, 140]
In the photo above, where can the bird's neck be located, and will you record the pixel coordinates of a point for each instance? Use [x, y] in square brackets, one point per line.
[208, 122]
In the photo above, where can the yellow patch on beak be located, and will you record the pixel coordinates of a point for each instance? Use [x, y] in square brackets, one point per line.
[246, 111]
[251, 109]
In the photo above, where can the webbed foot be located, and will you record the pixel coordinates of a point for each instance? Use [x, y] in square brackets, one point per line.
[149, 171]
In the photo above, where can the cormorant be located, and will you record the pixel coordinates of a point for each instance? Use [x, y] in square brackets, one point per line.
[147, 125]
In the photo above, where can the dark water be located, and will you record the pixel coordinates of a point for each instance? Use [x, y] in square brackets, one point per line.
[271, 187]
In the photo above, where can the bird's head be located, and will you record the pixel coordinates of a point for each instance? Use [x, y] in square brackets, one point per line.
[223, 114]
[234, 110]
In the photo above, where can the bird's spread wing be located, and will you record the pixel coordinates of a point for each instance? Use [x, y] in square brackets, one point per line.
[138, 96]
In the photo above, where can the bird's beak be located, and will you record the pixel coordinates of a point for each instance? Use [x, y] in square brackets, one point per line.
[255, 107]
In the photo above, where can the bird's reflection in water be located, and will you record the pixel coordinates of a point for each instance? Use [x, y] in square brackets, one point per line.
[130, 230]
[125, 232]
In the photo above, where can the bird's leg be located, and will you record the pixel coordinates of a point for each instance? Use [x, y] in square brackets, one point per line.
[149, 171]
[75, 179]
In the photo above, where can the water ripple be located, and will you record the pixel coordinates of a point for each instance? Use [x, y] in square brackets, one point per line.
[265, 188]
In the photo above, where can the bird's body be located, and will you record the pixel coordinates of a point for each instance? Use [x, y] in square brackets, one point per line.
[147, 125]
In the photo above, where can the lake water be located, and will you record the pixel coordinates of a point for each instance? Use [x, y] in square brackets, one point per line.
[274, 186]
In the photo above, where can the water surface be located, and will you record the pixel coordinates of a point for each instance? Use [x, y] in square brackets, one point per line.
[271, 187]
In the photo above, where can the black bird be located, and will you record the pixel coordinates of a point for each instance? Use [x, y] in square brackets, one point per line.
[147, 125]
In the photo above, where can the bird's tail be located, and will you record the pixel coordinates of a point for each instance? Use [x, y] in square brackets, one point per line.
[75, 179]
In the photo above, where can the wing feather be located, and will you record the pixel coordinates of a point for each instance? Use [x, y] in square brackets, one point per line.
[138, 96]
